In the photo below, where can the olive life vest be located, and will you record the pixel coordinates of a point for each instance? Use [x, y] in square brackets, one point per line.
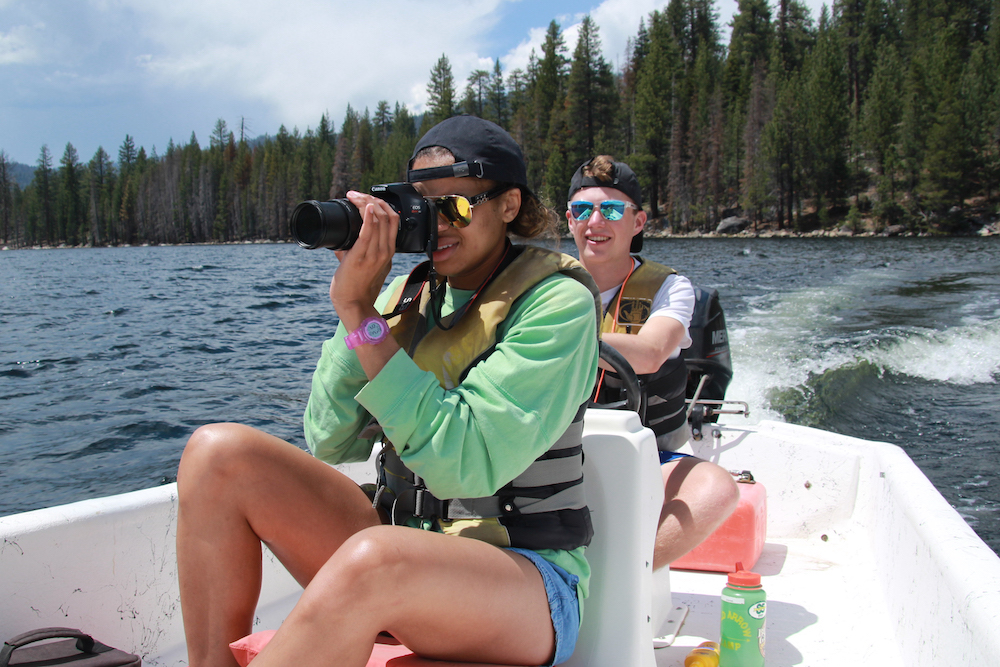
[543, 507]
[665, 389]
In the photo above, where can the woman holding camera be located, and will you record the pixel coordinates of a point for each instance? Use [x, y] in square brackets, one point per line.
[471, 545]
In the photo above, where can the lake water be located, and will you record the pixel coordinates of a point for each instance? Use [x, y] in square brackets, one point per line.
[109, 358]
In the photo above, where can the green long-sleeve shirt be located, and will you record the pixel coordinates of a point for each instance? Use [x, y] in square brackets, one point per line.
[471, 440]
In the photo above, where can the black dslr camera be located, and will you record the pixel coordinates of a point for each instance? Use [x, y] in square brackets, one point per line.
[335, 224]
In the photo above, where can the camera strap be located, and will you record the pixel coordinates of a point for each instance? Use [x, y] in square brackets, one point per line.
[411, 291]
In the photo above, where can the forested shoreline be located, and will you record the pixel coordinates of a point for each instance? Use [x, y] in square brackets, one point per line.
[881, 113]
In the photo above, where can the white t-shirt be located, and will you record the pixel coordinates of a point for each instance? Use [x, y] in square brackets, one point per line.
[675, 299]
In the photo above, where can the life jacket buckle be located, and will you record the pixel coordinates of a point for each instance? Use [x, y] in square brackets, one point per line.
[425, 504]
[508, 507]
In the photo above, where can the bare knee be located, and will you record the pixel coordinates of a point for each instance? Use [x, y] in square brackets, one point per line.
[211, 457]
[369, 570]
[720, 489]
[374, 558]
[706, 488]
[730, 493]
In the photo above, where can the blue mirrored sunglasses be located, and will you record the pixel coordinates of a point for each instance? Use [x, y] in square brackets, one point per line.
[611, 209]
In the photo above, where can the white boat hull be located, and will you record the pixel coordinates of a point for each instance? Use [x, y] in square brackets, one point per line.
[865, 563]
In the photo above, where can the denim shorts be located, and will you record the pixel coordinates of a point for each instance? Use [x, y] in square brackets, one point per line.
[667, 457]
[564, 606]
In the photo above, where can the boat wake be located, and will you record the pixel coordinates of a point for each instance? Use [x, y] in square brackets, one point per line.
[813, 358]
[962, 355]
[815, 338]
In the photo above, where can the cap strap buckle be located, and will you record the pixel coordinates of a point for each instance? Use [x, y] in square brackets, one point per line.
[457, 170]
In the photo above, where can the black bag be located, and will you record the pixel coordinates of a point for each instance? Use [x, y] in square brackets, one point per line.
[81, 650]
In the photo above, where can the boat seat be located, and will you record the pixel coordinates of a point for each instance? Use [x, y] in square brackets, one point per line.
[624, 491]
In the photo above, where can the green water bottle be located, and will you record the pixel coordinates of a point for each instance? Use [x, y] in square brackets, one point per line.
[743, 611]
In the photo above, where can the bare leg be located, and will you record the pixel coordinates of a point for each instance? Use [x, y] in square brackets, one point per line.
[239, 487]
[698, 496]
[444, 597]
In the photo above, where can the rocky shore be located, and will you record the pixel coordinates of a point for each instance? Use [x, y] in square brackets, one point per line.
[660, 229]
[734, 227]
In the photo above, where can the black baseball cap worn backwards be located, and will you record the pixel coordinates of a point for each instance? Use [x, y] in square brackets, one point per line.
[482, 149]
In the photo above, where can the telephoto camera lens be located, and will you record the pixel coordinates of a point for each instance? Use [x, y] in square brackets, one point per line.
[333, 224]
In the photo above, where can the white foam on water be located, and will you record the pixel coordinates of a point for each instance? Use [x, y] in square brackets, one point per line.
[963, 355]
[783, 339]
[776, 343]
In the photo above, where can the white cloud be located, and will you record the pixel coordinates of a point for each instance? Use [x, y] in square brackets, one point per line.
[519, 56]
[617, 21]
[304, 57]
[18, 45]
[309, 56]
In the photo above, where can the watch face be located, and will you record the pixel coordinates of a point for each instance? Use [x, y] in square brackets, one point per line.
[374, 329]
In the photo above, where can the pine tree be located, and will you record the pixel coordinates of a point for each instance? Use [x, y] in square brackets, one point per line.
[590, 97]
[848, 16]
[794, 36]
[392, 157]
[72, 214]
[984, 119]
[327, 139]
[497, 107]
[626, 119]
[6, 199]
[342, 179]
[749, 51]
[703, 145]
[943, 181]
[757, 185]
[382, 120]
[550, 77]
[127, 153]
[526, 126]
[654, 109]
[825, 109]
[516, 92]
[441, 91]
[363, 157]
[783, 145]
[557, 164]
[882, 114]
[477, 88]
[44, 191]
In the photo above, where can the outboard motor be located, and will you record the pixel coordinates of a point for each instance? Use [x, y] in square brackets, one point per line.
[710, 367]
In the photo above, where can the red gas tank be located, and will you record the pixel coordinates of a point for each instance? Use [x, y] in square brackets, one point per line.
[739, 538]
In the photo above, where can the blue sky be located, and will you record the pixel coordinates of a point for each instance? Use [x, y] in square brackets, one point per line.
[91, 71]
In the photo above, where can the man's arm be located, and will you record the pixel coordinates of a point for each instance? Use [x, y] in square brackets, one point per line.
[651, 347]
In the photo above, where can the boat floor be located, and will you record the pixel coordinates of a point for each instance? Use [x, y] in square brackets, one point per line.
[839, 618]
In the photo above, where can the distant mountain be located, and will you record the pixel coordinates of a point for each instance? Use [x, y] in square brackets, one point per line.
[22, 174]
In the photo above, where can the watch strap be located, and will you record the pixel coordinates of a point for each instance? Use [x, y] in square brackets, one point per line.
[372, 331]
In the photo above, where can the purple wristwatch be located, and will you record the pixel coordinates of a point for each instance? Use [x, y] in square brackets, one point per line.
[373, 330]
